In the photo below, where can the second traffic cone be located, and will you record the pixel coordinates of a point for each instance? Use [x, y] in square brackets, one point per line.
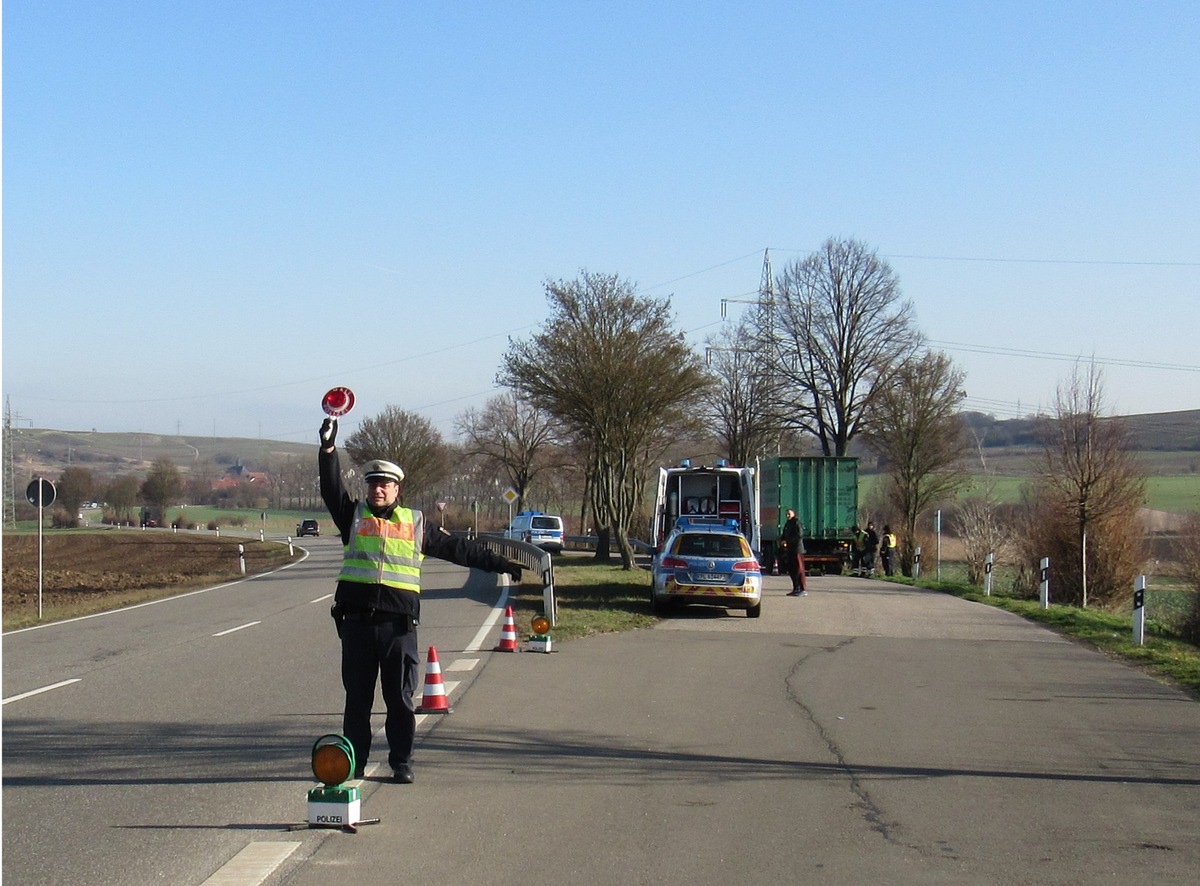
[433, 698]
[508, 633]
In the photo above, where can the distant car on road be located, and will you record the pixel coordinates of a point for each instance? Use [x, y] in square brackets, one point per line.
[707, 560]
[307, 527]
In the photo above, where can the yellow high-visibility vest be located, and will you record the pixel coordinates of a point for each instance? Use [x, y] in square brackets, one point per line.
[385, 551]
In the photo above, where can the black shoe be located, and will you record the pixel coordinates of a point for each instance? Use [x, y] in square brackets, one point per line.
[795, 593]
[404, 775]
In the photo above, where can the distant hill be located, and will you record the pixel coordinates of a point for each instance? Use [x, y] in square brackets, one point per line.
[107, 455]
[1153, 432]
[1170, 440]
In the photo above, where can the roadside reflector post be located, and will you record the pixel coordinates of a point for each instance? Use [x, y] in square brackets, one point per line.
[987, 574]
[1044, 583]
[242, 558]
[1139, 610]
[917, 563]
[291, 553]
[549, 603]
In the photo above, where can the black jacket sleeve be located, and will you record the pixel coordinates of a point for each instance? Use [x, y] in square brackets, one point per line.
[462, 551]
[337, 501]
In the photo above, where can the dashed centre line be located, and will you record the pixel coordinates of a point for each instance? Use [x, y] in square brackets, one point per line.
[33, 692]
[238, 628]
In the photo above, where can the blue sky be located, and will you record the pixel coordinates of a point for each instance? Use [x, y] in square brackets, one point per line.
[214, 211]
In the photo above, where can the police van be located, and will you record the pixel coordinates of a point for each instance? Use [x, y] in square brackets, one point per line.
[538, 528]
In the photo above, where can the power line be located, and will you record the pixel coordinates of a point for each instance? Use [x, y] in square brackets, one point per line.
[1050, 355]
[1017, 261]
[1048, 261]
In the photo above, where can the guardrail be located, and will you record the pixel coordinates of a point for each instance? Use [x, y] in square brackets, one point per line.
[588, 543]
[529, 557]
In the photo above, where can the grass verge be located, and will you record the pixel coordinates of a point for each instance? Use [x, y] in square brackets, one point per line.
[1162, 655]
[593, 598]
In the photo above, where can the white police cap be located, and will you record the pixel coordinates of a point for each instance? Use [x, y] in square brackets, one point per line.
[380, 469]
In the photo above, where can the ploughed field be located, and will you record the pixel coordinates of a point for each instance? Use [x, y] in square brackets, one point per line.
[89, 571]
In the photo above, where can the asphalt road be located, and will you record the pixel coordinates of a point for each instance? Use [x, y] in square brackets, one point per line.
[865, 733]
[187, 731]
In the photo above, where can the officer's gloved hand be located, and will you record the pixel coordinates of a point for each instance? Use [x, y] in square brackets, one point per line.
[514, 572]
[328, 432]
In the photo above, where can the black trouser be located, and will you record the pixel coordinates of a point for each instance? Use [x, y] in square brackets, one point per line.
[387, 650]
[794, 566]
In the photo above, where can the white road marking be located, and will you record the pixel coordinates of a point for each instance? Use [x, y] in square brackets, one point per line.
[463, 664]
[497, 610]
[238, 628]
[43, 689]
[321, 599]
[252, 865]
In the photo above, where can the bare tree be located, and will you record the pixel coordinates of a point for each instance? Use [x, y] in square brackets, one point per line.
[839, 329]
[1189, 559]
[200, 479]
[611, 368]
[1095, 486]
[409, 440]
[121, 494]
[982, 526]
[163, 486]
[513, 437]
[739, 410]
[75, 486]
[920, 438]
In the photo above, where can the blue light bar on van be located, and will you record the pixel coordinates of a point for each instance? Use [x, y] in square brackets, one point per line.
[722, 463]
[686, 463]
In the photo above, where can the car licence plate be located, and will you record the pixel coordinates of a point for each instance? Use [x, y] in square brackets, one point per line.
[710, 576]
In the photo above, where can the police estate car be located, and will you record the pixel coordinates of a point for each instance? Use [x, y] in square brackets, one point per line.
[706, 560]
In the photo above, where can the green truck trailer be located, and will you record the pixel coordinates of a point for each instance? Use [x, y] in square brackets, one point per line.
[823, 490]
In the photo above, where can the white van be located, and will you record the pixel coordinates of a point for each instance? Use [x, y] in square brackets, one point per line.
[535, 527]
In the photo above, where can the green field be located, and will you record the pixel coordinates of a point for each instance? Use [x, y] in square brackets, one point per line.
[1178, 493]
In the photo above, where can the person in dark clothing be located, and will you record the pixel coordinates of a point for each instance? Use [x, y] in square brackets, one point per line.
[870, 549]
[377, 604]
[791, 554]
[858, 546]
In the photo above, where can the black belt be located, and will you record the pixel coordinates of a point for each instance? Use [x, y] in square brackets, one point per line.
[372, 616]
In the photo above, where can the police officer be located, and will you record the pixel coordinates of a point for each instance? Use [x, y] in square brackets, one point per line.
[377, 606]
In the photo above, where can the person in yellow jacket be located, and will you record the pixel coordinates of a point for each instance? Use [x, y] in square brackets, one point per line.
[887, 550]
[377, 605]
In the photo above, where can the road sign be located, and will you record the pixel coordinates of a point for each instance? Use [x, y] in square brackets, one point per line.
[441, 505]
[47, 492]
[511, 495]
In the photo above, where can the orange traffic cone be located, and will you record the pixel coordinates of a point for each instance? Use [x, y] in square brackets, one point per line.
[433, 699]
[508, 634]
